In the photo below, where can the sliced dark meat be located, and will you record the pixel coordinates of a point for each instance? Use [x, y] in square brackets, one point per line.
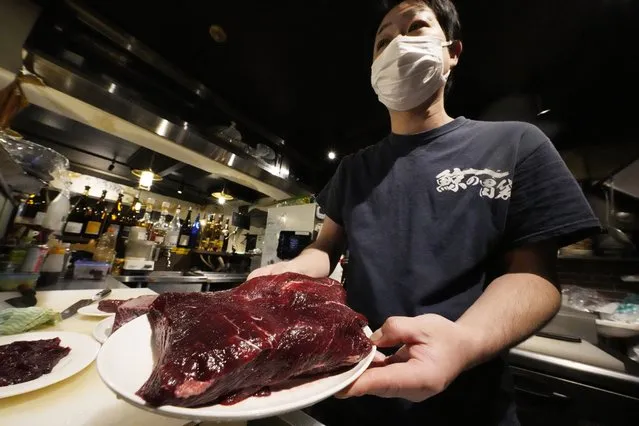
[110, 305]
[132, 309]
[226, 346]
[24, 361]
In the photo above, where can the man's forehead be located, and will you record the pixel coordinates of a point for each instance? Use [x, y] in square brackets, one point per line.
[405, 10]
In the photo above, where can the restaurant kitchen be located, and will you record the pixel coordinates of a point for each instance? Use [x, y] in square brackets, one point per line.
[124, 166]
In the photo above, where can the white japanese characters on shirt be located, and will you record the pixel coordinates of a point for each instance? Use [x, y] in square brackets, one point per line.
[491, 184]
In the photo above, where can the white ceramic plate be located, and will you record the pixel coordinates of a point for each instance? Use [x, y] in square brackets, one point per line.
[125, 362]
[102, 331]
[93, 311]
[83, 352]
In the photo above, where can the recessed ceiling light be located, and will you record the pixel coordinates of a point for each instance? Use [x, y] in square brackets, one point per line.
[217, 33]
[544, 112]
[332, 155]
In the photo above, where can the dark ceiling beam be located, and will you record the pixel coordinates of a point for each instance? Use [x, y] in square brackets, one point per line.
[170, 170]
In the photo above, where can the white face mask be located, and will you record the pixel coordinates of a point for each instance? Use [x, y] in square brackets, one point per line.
[409, 71]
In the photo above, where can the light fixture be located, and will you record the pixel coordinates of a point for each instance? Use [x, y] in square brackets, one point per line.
[147, 177]
[222, 197]
[180, 188]
[112, 165]
[544, 112]
[332, 155]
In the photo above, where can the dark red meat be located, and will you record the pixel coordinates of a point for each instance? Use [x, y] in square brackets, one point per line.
[111, 305]
[131, 309]
[24, 361]
[230, 345]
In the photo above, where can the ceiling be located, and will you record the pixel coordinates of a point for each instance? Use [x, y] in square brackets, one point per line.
[301, 70]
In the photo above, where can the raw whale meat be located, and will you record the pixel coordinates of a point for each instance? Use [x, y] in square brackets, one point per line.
[131, 309]
[110, 305]
[230, 345]
[24, 361]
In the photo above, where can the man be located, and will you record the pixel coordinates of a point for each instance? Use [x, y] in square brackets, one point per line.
[453, 227]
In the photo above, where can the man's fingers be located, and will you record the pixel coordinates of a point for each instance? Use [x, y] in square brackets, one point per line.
[396, 331]
[390, 381]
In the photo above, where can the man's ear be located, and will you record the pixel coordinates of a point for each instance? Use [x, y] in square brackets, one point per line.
[455, 51]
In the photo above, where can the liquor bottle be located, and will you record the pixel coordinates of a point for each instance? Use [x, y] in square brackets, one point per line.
[77, 216]
[161, 227]
[205, 237]
[32, 210]
[129, 219]
[145, 221]
[173, 231]
[95, 218]
[226, 234]
[113, 220]
[196, 230]
[185, 232]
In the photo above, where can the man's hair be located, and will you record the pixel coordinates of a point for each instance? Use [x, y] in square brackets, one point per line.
[445, 12]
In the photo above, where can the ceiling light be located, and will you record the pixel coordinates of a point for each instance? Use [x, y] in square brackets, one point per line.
[544, 112]
[332, 155]
[222, 197]
[180, 188]
[147, 177]
[231, 161]
[217, 33]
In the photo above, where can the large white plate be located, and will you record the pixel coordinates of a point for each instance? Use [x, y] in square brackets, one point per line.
[93, 311]
[126, 360]
[102, 331]
[83, 352]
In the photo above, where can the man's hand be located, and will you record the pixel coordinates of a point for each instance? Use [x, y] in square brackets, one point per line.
[274, 269]
[434, 352]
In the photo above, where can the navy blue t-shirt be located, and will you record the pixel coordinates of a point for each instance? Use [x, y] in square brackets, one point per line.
[425, 215]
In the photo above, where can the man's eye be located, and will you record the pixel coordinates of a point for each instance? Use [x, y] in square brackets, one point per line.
[416, 26]
[382, 43]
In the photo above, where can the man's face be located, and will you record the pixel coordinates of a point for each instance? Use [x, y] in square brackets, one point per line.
[411, 18]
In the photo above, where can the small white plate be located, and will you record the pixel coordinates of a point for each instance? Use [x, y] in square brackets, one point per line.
[126, 360]
[102, 331]
[83, 352]
[93, 311]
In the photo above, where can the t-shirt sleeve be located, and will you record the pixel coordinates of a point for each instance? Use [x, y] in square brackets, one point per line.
[546, 200]
[331, 198]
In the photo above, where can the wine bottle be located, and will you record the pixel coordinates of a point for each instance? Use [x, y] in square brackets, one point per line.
[129, 219]
[196, 230]
[173, 231]
[145, 221]
[113, 220]
[185, 232]
[96, 218]
[226, 234]
[161, 227]
[77, 216]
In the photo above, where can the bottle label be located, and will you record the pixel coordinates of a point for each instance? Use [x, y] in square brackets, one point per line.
[93, 228]
[172, 240]
[184, 241]
[159, 239]
[73, 228]
[39, 218]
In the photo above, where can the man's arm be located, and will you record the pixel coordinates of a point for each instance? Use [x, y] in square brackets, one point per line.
[435, 350]
[317, 260]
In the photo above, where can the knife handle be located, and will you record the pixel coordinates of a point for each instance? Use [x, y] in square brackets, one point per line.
[102, 294]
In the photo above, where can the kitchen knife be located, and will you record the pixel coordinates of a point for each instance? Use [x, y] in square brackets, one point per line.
[73, 309]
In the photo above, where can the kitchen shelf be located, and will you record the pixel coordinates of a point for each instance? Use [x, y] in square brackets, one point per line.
[597, 258]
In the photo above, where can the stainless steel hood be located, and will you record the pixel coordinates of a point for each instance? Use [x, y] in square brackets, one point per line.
[103, 102]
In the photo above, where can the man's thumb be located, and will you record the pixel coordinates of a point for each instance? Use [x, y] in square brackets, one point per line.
[396, 331]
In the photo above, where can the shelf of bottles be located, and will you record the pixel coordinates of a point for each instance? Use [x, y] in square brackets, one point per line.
[88, 219]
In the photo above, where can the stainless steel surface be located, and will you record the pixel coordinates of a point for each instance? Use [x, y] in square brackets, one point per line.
[574, 323]
[141, 51]
[170, 277]
[73, 309]
[624, 383]
[63, 284]
[97, 94]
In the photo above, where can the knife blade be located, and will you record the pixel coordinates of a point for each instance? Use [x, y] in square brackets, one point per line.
[73, 309]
